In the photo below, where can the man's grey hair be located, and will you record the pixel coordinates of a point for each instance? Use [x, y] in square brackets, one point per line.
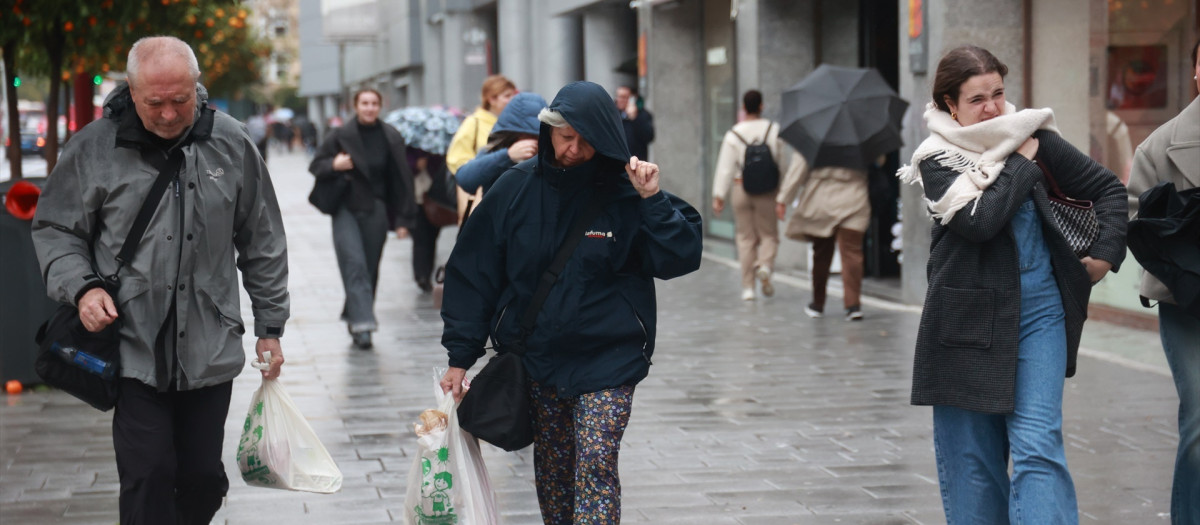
[552, 118]
[160, 47]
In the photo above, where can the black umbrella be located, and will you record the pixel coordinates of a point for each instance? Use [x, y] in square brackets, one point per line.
[840, 116]
[1165, 239]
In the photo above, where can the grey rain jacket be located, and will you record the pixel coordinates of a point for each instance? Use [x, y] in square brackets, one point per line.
[220, 210]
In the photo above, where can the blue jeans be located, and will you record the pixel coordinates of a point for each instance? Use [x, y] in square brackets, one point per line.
[1180, 333]
[358, 239]
[973, 448]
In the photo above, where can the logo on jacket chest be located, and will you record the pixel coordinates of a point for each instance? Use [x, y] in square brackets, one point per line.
[214, 175]
[596, 234]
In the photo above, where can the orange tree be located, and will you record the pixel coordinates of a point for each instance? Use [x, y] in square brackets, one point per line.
[80, 38]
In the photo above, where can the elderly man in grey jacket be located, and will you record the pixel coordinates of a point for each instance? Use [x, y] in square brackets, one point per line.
[177, 306]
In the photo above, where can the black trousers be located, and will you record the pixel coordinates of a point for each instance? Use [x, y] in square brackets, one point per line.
[169, 453]
[424, 238]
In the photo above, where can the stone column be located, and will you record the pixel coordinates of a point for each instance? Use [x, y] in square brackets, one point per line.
[557, 49]
[609, 38]
[513, 40]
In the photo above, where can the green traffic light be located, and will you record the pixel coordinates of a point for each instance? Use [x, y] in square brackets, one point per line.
[97, 80]
[16, 81]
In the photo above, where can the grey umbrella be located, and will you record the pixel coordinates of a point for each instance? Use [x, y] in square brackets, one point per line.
[841, 116]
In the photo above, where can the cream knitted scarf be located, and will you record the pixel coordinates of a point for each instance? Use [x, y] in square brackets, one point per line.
[977, 152]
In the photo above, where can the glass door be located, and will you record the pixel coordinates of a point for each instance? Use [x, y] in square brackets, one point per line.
[720, 102]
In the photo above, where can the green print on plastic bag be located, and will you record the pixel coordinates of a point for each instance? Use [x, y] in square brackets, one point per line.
[435, 489]
[252, 467]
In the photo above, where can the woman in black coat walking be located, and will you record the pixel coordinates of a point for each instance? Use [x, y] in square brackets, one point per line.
[1007, 296]
[372, 157]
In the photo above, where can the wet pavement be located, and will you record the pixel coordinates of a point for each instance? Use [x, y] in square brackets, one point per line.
[753, 414]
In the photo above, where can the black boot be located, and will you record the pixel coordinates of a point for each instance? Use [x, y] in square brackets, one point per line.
[362, 340]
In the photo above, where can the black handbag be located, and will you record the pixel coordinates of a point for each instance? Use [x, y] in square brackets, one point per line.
[497, 407]
[86, 364]
[1075, 218]
[327, 193]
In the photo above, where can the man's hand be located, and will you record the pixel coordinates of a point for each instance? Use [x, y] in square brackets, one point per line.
[522, 150]
[342, 162]
[96, 309]
[643, 175]
[402, 232]
[718, 205]
[271, 346]
[452, 381]
[1096, 268]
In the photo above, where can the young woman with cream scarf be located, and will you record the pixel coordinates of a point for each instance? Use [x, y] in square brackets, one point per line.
[1007, 297]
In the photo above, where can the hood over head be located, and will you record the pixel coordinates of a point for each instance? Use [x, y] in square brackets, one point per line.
[520, 115]
[589, 109]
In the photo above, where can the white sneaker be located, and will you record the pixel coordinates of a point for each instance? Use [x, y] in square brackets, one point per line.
[764, 275]
[812, 311]
[748, 294]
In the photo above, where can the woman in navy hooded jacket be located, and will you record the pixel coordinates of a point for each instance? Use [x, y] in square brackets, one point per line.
[594, 336]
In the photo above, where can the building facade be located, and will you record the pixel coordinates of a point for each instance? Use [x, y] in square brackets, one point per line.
[437, 52]
[1089, 60]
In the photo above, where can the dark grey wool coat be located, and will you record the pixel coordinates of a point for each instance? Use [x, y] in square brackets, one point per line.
[967, 342]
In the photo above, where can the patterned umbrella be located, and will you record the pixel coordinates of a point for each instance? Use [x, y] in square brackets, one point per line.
[425, 128]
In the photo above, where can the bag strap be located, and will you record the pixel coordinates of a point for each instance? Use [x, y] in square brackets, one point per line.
[167, 168]
[764, 139]
[739, 137]
[550, 276]
[1054, 189]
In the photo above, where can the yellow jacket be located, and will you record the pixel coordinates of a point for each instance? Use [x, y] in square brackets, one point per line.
[471, 135]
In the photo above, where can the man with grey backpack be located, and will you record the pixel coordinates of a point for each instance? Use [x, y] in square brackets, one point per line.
[749, 167]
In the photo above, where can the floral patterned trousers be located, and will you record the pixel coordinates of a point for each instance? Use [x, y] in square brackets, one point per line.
[576, 441]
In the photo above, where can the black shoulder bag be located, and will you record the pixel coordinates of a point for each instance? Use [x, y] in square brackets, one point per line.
[497, 407]
[87, 364]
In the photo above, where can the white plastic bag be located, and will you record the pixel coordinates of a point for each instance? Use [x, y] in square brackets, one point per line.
[279, 449]
[448, 482]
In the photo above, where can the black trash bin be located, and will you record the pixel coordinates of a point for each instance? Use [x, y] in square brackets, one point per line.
[23, 302]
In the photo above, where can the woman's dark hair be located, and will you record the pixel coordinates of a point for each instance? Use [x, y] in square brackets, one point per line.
[367, 90]
[752, 101]
[505, 139]
[958, 66]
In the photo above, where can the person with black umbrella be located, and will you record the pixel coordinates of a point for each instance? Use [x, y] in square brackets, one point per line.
[834, 210]
[1172, 154]
[840, 120]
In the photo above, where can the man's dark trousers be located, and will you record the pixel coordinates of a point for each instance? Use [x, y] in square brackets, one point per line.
[168, 448]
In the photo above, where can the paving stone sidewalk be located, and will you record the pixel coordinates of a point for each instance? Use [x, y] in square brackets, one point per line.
[753, 414]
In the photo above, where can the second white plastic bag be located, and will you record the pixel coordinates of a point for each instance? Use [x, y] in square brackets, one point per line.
[448, 482]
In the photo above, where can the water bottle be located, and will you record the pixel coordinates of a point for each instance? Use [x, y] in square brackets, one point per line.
[85, 360]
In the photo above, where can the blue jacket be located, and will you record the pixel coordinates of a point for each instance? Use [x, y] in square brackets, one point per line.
[519, 116]
[596, 329]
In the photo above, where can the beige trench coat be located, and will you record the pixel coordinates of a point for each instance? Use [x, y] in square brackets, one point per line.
[833, 197]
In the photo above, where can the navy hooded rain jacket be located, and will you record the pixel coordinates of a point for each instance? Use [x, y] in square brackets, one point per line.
[519, 116]
[596, 329]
